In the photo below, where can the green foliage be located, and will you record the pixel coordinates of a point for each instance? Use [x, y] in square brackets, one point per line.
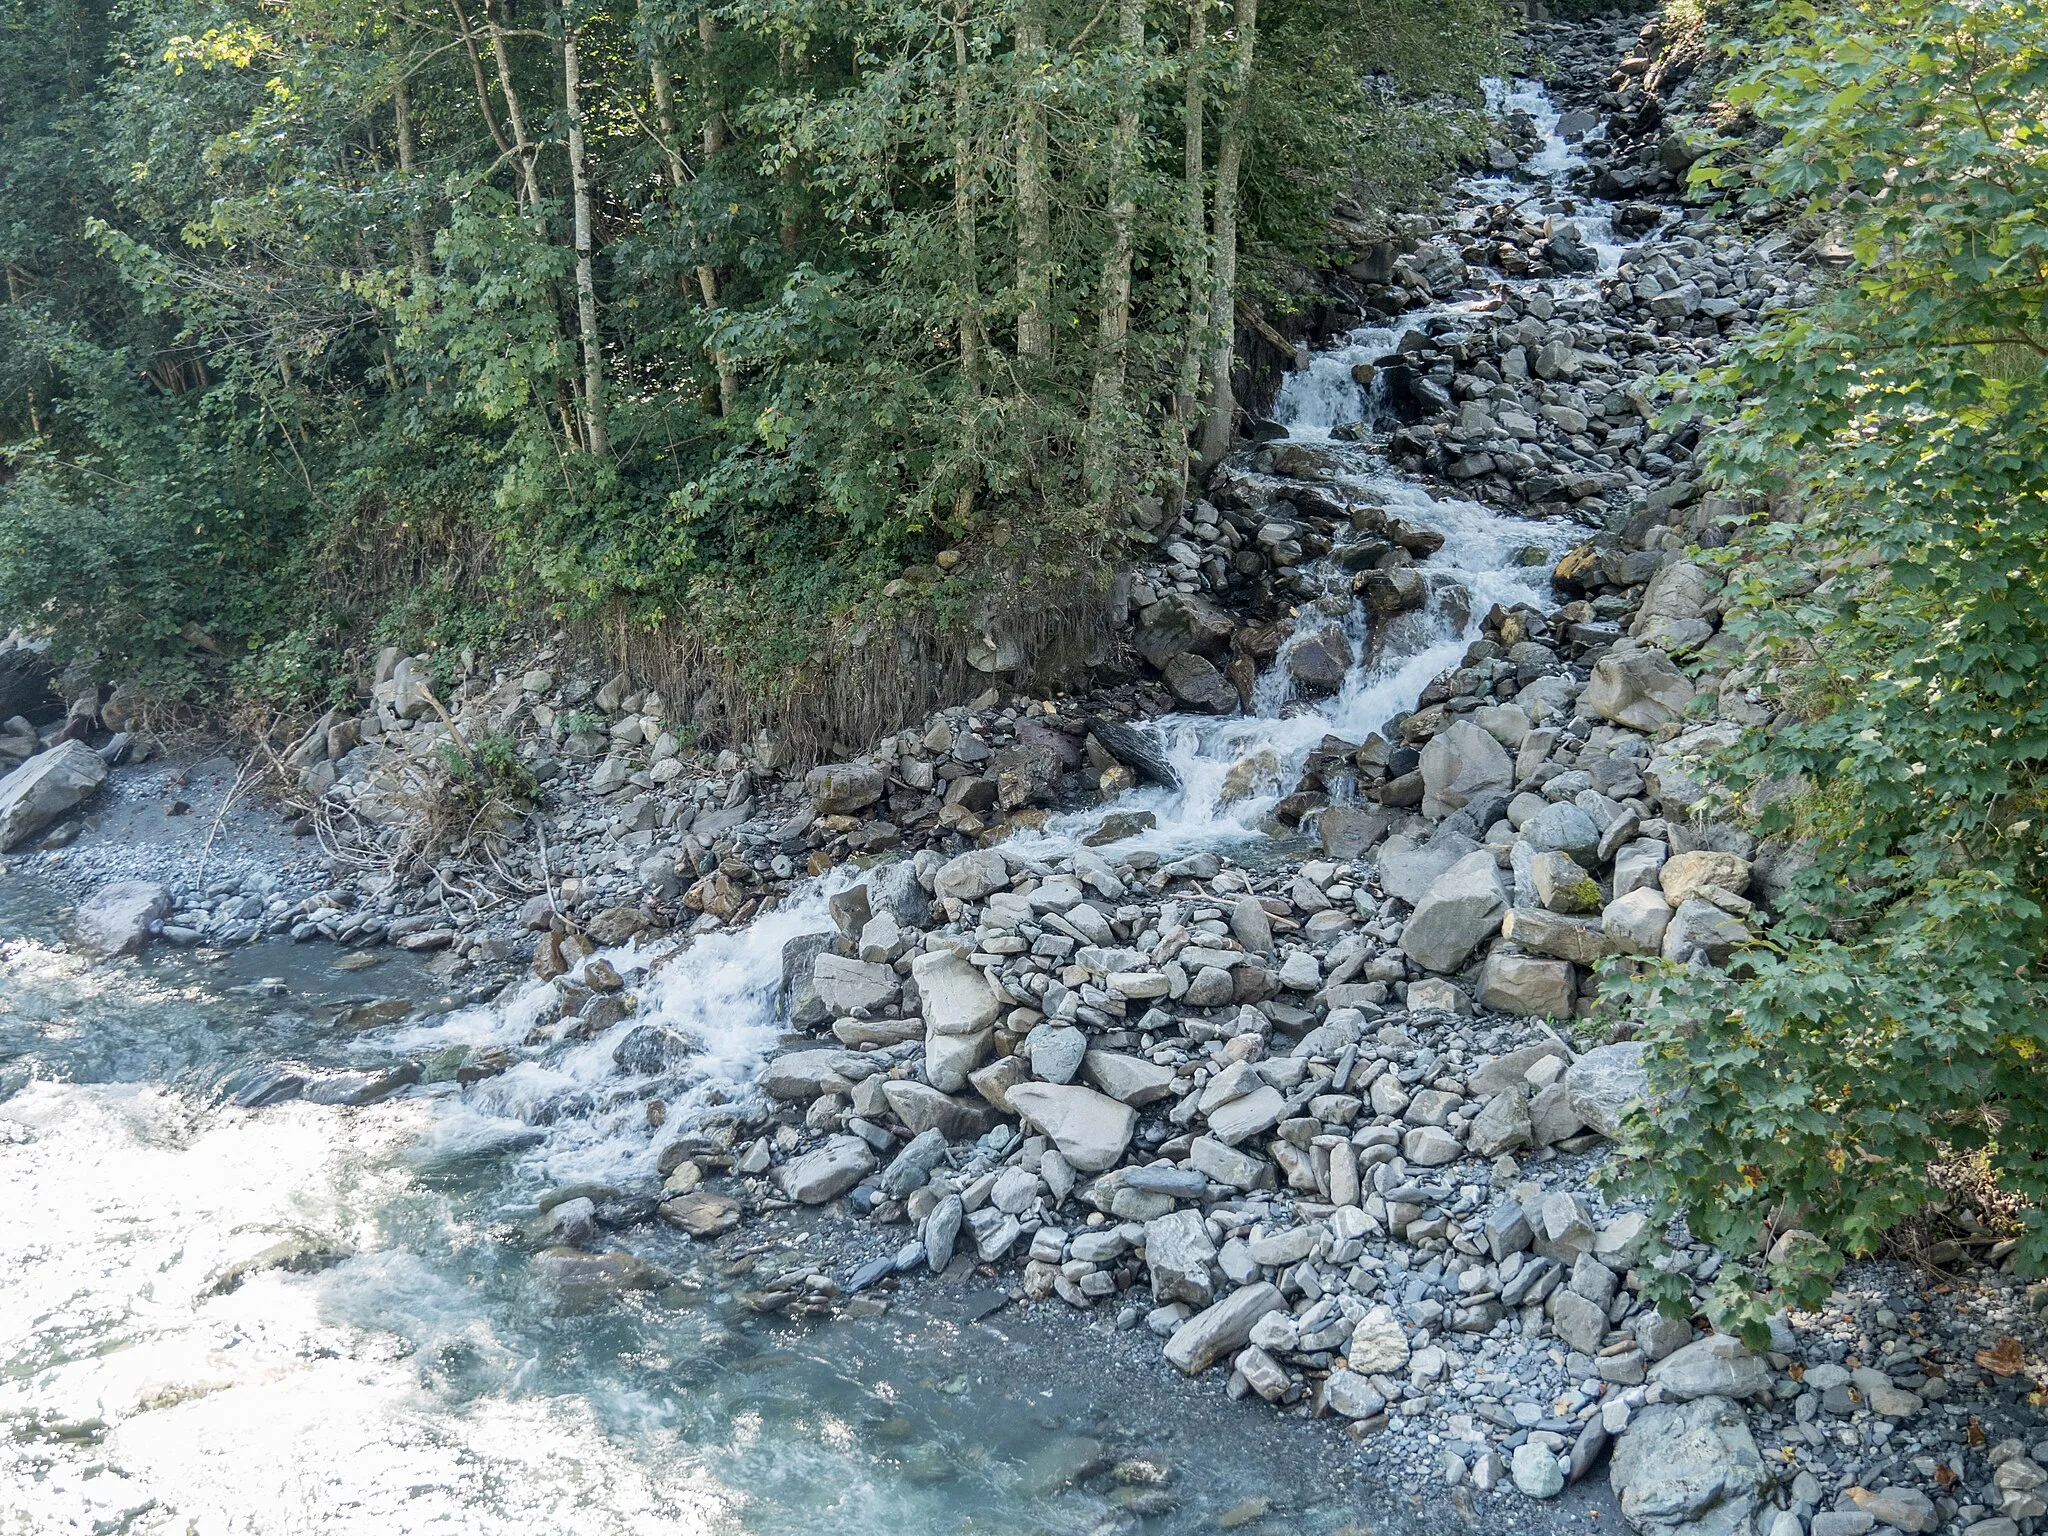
[1895, 1020]
[490, 769]
[292, 344]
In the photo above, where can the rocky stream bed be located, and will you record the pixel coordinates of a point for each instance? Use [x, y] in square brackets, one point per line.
[1184, 1095]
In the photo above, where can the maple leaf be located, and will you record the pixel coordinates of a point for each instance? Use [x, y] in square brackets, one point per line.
[2005, 1360]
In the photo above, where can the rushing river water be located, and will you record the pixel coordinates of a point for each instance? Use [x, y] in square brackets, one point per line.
[319, 1318]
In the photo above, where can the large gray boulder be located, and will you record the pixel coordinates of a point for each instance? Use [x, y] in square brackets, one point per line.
[1319, 661]
[1408, 868]
[1090, 1129]
[1461, 763]
[1717, 1366]
[1222, 1329]
[831, 1170]
[115, 919]
[44, 788]
[1690, 1468]
[806, 1074]
[1462, 910]
[1178, 1252]
[838, 789]
[1674, 607]
[851, 986]
[1181, 622]
[972, 876]
[959, 1017]
[1639, 689]
[1606, 1083]
[1196, 683]
[1701, 926]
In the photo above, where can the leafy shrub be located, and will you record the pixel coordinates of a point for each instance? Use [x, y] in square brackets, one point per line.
[1895, 1020]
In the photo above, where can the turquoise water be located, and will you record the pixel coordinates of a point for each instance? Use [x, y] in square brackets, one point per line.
[314, 1318]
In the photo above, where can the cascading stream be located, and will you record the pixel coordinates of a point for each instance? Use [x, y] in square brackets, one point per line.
[1487, 557]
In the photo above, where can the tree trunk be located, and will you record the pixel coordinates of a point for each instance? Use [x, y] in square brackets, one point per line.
[785, 170]
[476, 70]
[1216, 431]
[707, 276]
[586, 284]
[522, 147]
[971, 340]
[415, 227]
[665, 119]
[1034, 326]
[1113, 323]
[1187, 388]
[963, 206]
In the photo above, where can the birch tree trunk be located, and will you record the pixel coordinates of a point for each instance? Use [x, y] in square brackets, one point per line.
[476, 70]
[586, 283]
[971, 340]
[1034, 280]
[1216, 431]
[522, 146]
[1194, 232]
[1113, 322]
[963, 205]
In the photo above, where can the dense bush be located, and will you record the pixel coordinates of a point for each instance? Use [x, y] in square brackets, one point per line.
[1894, 1026]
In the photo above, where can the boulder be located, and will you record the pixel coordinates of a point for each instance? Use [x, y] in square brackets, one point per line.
[923, 1108]
[806, 1074]
[1319, 661]
[839, 789]
[1178, 1252]
[959, 1017]
[1090, 1129]
[1222, 1328]
[972, 876]
[829, 1171]
[852, 986]
[1635, 923]
[1180, 622]
[1196, 683]
[1702, 926]
[1136, 750]
[1674, 606]
[1684, 875]
[1347, 831]
[1462, 909]
[115, 919]
[44, 788]
[1717, 1366]
[1577, 939]
[1606, 1083]
[1128, 1079]
[1532, 988]
[1639, 689]
[1379, 1344]
[1352, 1396]
[1504, 1123]
[1407, 869]
[1027, 774]
[1460, 764]
[1562, 827]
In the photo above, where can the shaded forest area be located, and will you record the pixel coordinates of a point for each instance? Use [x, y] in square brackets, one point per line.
[335, 322]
